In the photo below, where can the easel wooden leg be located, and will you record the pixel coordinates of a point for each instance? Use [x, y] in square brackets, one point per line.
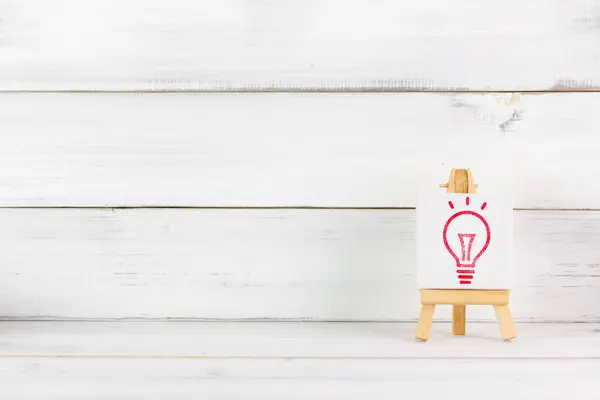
[507, 327]
[425, 321]
[459, 319]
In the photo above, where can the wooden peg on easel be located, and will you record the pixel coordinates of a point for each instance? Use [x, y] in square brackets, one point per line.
[461, 181]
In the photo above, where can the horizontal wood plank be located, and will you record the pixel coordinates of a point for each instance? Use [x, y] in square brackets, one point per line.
[306, 45]
[291, 340]
[291, 360]
[157, 379]
[323, 150]
[270, 264]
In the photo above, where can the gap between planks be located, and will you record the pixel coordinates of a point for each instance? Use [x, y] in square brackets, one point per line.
[167, 207]
[349, 358]
[303, 90]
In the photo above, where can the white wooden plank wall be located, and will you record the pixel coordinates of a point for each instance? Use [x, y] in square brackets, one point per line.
[219, 190]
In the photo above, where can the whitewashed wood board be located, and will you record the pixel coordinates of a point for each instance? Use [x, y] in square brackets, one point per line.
[292, 360]
[289, 340]
[272, 149]
[159, 379]
[269, 265]
[299, 45]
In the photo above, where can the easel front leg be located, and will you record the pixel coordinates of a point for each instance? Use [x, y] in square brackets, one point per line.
[459, 319]
[507, 327]
[425, 321]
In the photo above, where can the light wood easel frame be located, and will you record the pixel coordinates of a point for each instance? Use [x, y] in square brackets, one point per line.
[461, 181]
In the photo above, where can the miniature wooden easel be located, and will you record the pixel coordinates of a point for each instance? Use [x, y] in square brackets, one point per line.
[461, 181]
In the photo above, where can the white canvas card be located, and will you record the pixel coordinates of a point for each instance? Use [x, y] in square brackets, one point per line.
[464, 241]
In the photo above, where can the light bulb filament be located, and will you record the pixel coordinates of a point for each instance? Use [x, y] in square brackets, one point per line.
[465, 248]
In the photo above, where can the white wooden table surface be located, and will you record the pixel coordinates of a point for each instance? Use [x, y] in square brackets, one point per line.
[192, 360]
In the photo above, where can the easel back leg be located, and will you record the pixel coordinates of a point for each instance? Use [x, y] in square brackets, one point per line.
[459, 319]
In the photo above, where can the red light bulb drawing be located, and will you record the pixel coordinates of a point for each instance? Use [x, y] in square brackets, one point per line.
[466, 237]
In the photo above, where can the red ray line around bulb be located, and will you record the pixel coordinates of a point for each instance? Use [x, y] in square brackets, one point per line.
[451, 205]
[467, 201]
[483, 205]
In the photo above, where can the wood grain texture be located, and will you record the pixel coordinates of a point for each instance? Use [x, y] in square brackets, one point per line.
[270, 149]
[270, 264]
[291, 340]
[291, 360]
[291, 45]
[60, 379]
[461, 297]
